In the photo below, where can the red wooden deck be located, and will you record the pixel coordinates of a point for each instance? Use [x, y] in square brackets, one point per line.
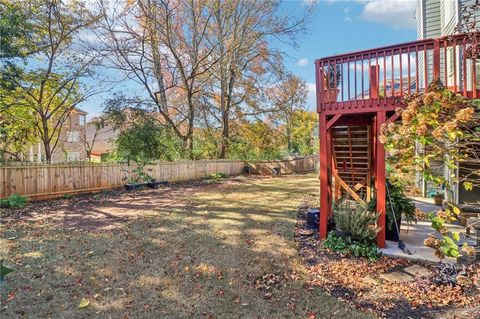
[377, 79]
[362, 89]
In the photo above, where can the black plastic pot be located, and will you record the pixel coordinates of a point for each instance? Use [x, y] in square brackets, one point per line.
[276, 171]
[135, 186]
[392, 234]
[313, 216]
[154, 184]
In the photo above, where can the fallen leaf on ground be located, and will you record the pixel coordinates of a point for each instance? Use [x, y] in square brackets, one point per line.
[83, 303]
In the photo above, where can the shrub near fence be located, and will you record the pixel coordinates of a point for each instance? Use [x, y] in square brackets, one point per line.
[44, 181]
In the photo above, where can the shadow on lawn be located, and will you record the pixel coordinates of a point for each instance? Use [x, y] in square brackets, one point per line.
[214, 251]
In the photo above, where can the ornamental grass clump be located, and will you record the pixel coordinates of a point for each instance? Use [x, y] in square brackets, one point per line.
[358, 230]
[356, 221]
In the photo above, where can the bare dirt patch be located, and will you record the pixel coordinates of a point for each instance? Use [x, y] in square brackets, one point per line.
[106, 210]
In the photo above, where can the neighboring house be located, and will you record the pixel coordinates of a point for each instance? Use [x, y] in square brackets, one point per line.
[390, 90]
[101, 140]
[71, 143]
[438, 18]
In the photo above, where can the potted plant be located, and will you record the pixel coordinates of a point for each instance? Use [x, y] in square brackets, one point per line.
[333, 78]
[156, 184]
[438, 199]
[140, 178]
[404, 209]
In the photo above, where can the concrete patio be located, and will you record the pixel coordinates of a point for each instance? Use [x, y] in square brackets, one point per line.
[413, 236]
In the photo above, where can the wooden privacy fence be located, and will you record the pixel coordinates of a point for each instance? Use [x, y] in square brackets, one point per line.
[44, 181]
[297, 165]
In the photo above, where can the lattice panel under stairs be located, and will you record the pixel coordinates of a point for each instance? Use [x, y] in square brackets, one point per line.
[352, 161]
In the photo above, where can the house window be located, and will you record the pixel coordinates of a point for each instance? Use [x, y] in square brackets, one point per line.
[73, 137]
[73, 156]
[81, 120]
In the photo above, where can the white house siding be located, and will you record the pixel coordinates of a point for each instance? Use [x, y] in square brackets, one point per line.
[437, 18]
[428, 26]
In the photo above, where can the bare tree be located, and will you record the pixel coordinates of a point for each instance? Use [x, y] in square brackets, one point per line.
[162, 45]
[241, 31]
[94, 128]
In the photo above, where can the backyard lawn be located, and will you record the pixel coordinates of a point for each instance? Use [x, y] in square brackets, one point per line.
[201, 250]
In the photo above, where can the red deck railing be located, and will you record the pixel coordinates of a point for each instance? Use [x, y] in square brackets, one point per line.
[377, 79]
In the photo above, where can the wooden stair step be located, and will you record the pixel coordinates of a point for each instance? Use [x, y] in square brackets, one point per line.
[356, 146]
[350, 139]
[347, 171]
[352, 158]
[352, 164]
[348, 152]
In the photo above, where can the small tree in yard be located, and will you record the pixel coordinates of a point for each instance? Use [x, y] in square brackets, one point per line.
[144, 142]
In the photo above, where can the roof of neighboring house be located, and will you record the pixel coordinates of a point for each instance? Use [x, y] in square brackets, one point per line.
[77, 110]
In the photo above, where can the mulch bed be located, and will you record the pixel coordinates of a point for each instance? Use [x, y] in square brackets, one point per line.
[357, 282]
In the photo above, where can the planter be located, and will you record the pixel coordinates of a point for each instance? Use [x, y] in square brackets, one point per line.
[313, 216]
[155, 185]
[392, 234]
[330, 95]
[135, 186]
[438, 200]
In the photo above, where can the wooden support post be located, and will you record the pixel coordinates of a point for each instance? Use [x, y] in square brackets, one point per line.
[436, 59]
[324, 210]
[330, 170]
[374, 79]
[319, 85]
[369, 166]
[380, 180]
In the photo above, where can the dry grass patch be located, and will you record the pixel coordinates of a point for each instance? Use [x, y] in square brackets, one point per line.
[215, 251]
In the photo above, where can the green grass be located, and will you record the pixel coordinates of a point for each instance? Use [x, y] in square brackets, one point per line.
[225, 251]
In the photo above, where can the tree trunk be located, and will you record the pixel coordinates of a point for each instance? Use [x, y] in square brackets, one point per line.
[46, 140]
[226, 116]
[225, 136]
[289, 140]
